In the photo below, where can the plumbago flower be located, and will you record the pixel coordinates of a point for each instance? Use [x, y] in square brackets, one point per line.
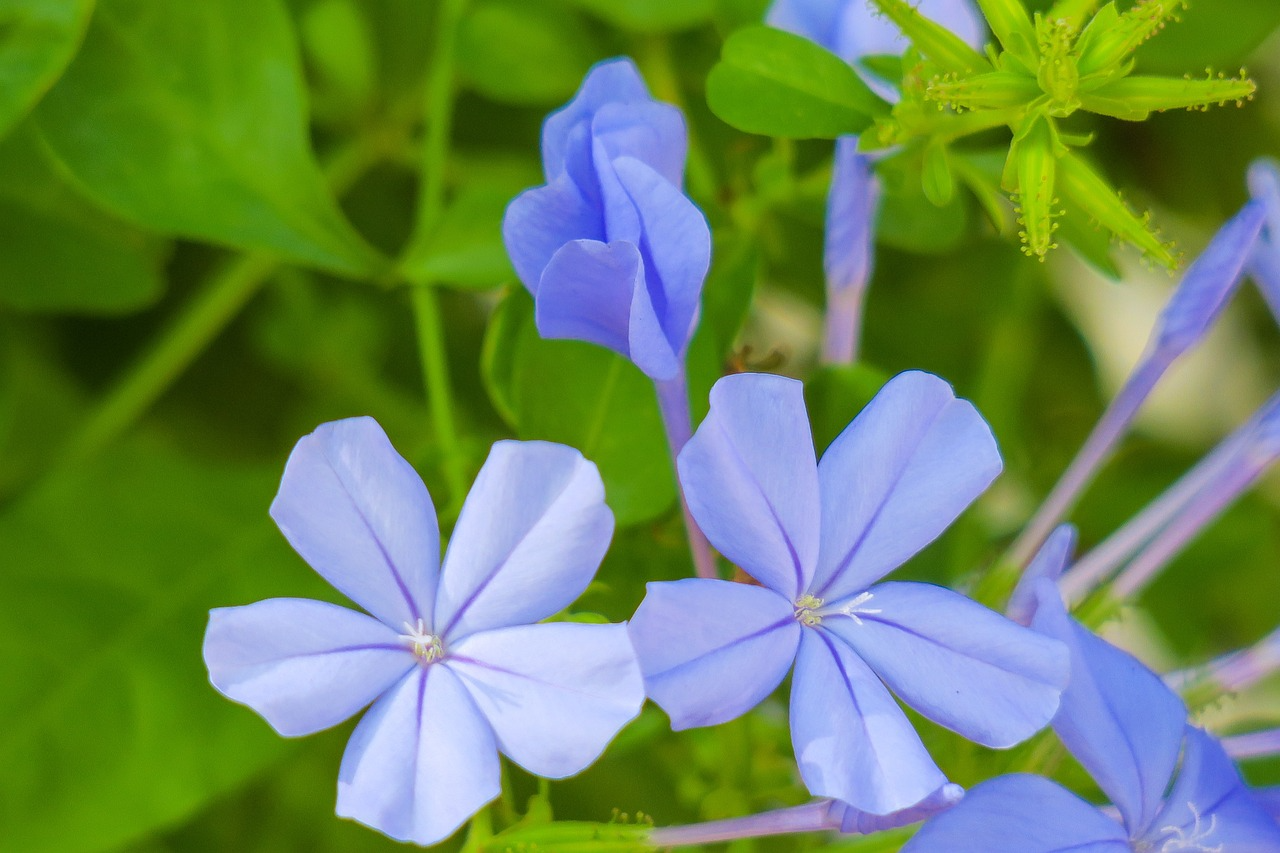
[611, 249]
[1130, 732]
[818, 538]
[448, 656]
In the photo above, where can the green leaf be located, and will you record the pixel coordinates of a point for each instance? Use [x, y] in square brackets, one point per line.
[58, 252]
[465, 249]
[937, 182]
[37, 40]
[584, 396]
[524, 51]
[105, 706]
[650, 16]
[908, 219]
[191, 119]
[1216, 33]
[835, 393]
[779, 84]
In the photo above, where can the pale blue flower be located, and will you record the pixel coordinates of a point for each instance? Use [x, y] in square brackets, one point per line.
[449, 658]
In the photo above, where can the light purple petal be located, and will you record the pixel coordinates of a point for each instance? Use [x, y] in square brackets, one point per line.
[1117, 717]
[1269, 800]
[586, 293]
[1211, 807]
[751, 481]
[303, 665]
[1209, 282]
[897, 477]
[554, 694]
[530, 538]
[421, 762]
[1020, 814]
[961, 665]
[1049, 562]
[608, 82]
[852, 741]
[541, 220]
[851, 211]
[816, 20]
[359, 514]
[850, 819]
[711, 650]
[1264, 266]
[676, 245]
[652, 132]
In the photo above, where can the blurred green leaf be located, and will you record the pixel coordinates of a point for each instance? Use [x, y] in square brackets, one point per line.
[524, 51]
[107, 720]
[587, 397]
[908, 219]
[191, 119]
[465, 249]
[58, 252]
[835, 393]
[1217, 33]
[340, 53]
[650, 16]
[780, 84]
[37, 40]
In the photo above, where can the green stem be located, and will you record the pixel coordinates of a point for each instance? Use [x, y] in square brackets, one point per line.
[426, 304]
[217, 303]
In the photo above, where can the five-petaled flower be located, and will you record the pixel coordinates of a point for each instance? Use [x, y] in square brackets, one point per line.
[457, 670]
[1130, 732]
[818, 537]
[611, 249]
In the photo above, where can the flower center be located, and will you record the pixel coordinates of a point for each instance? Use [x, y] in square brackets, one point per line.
[1194, 839]
[425, 645]
[811, 610]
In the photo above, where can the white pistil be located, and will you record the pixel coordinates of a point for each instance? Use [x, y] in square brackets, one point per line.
[854, 607]
[425, 645]
[1180, 839]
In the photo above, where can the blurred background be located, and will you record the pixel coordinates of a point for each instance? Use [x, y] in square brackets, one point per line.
[214, 236]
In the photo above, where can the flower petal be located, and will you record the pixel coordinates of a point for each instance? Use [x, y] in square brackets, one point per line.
[751, 481]
[1049, 562]
[554, 694]
[530, 538]
[711, 650]
[897, 477]
[1117, 717]
[610, 81]
[421, 762]
[1211, 807]
[541, 220]
[676, 245]
[961, 665]
[851, 209]
[652, 132]
[303, 665]
[852, 741]
[586, 293]
[852, 820]
[1020, 814]
[359, 514]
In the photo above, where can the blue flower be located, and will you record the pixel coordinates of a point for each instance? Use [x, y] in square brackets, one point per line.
[1130, 732]
[610, 248]
[818, 538]
[854, 29]
[454, 669]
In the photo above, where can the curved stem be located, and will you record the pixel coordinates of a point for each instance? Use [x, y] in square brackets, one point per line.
[673, 402]
[811, 817]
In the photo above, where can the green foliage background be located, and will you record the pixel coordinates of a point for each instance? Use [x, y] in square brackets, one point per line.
[216, 233]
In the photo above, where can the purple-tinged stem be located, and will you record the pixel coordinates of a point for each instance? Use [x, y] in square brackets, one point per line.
[673, 402]
[843, 324]
[811, 817]
[1243, 669]
[1096, 450]
[1263, 744]
[1208, 505]
[1101, 562]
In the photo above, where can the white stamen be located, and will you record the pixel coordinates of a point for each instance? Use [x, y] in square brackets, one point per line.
[854, 607]
[425, 645]
[1180, 839]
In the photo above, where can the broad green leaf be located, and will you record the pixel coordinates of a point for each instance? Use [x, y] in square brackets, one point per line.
[650, 16]
[465, 249]
[779, 84]
[37, 40]
[191, 119]
[524, 51]
[340, 56]
[1219, 33]
[107, 719]
[587, 397]
[60, 253]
